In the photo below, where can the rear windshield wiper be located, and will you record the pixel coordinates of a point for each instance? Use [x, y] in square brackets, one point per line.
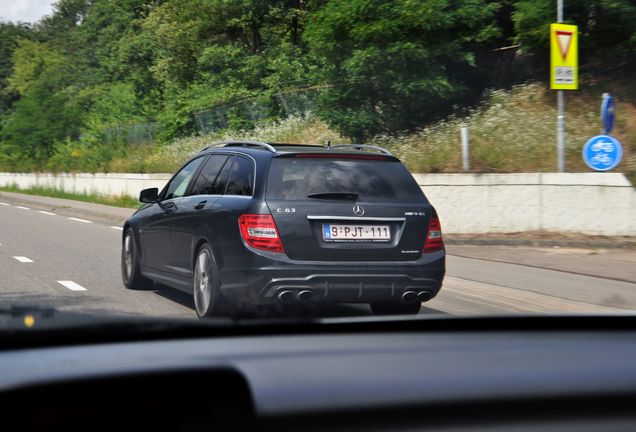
[334, 195]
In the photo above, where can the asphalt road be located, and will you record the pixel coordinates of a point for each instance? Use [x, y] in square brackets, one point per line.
[51, 258]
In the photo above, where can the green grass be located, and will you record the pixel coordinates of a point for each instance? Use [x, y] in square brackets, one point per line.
[117, 201]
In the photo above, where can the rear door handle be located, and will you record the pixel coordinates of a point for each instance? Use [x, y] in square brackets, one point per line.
[200, 205]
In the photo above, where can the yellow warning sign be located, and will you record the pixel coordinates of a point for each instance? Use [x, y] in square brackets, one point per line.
[564, 61]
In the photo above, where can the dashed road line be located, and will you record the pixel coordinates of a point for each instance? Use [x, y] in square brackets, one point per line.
[46, 213]
[117, 228]
[22, 208]
[23, 259]
[71, 285]
[5, 204]
[80, 220]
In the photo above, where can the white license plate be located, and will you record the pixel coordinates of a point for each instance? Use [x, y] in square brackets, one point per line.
[356, 233]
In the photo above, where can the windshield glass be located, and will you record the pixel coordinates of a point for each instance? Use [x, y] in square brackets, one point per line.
[310, 159]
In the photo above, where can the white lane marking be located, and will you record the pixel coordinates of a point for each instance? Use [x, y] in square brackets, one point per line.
[72, 285]
[117, 228]
[80, 220]
[5, 204]
[23, 259]
[46, 213]
[22, 208]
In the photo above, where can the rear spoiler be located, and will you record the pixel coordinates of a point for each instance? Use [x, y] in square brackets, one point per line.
[339, 155]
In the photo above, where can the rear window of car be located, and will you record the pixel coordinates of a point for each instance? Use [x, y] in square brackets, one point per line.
[295, 178]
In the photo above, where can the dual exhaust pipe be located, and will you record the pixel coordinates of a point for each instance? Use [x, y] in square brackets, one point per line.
[288, 296]
[412, 296]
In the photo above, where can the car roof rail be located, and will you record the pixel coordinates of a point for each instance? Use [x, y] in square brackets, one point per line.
[363, 147]
[260, 144]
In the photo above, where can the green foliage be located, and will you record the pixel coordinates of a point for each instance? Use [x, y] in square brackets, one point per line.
[40, 119]
[607, 29]
[74, 83]
[395, 64]
[9, 35]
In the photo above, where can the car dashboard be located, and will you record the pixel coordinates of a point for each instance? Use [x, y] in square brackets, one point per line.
[398, 375]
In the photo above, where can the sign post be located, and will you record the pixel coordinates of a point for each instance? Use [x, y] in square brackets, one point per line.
[563, 72]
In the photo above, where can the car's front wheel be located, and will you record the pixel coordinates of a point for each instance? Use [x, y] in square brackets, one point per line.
[208, 301]
[394, 308]
[130, 273]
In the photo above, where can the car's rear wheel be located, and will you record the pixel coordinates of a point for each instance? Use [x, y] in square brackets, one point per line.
[394, 308]
[208, 300]
[130, 273]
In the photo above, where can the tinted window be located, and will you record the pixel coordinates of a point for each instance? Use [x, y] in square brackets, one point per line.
[241, 177]
[294, 179]
[204, 184]
[221, 181]
[179, 184]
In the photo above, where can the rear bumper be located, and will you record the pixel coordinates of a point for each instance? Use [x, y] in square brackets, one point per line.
[263, 279]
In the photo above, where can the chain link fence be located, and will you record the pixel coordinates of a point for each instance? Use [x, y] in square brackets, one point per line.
[134, 134]
[293, 102]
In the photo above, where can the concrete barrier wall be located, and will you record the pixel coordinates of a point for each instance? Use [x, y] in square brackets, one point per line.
[590, 203]
[107, 184]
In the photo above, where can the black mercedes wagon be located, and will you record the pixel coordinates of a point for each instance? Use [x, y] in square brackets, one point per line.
[248, 223]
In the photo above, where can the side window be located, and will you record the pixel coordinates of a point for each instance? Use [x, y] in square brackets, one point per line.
[204, 183]
[241, 177]
[179, 184]
[221, 181]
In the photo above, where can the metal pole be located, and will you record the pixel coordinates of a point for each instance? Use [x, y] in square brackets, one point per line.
[560, 131]
[465, 154]
[560, 109]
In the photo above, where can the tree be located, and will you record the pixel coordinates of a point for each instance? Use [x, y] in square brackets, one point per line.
[46, 112]
[395, 64]
[607, 29]
[9, 35]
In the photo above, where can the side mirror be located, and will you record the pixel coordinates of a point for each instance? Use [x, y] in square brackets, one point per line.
[149, 195]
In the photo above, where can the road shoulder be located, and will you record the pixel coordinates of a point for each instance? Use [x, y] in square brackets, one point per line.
[66, 207]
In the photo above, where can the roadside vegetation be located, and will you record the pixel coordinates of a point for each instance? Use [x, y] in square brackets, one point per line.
[132, 85]
[112, 200]
[510, 131]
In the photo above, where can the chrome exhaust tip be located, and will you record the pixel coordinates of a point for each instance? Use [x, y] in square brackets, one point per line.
[409, 297]
[287, 296]
[305, 295]
[424, 296]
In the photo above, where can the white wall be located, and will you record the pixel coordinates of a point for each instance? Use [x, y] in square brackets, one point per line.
[107, 184]
[590, 203]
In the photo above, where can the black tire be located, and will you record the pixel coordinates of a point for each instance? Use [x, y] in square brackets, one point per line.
[208, 300]
[394, 308]
[130, 273]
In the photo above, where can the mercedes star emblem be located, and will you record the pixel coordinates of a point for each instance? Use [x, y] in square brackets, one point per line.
[358, 210]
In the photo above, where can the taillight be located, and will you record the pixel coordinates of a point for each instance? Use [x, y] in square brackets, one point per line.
[434, 241]
[259, 231]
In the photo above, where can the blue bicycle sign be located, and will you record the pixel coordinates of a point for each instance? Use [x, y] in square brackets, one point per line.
[602, 153]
